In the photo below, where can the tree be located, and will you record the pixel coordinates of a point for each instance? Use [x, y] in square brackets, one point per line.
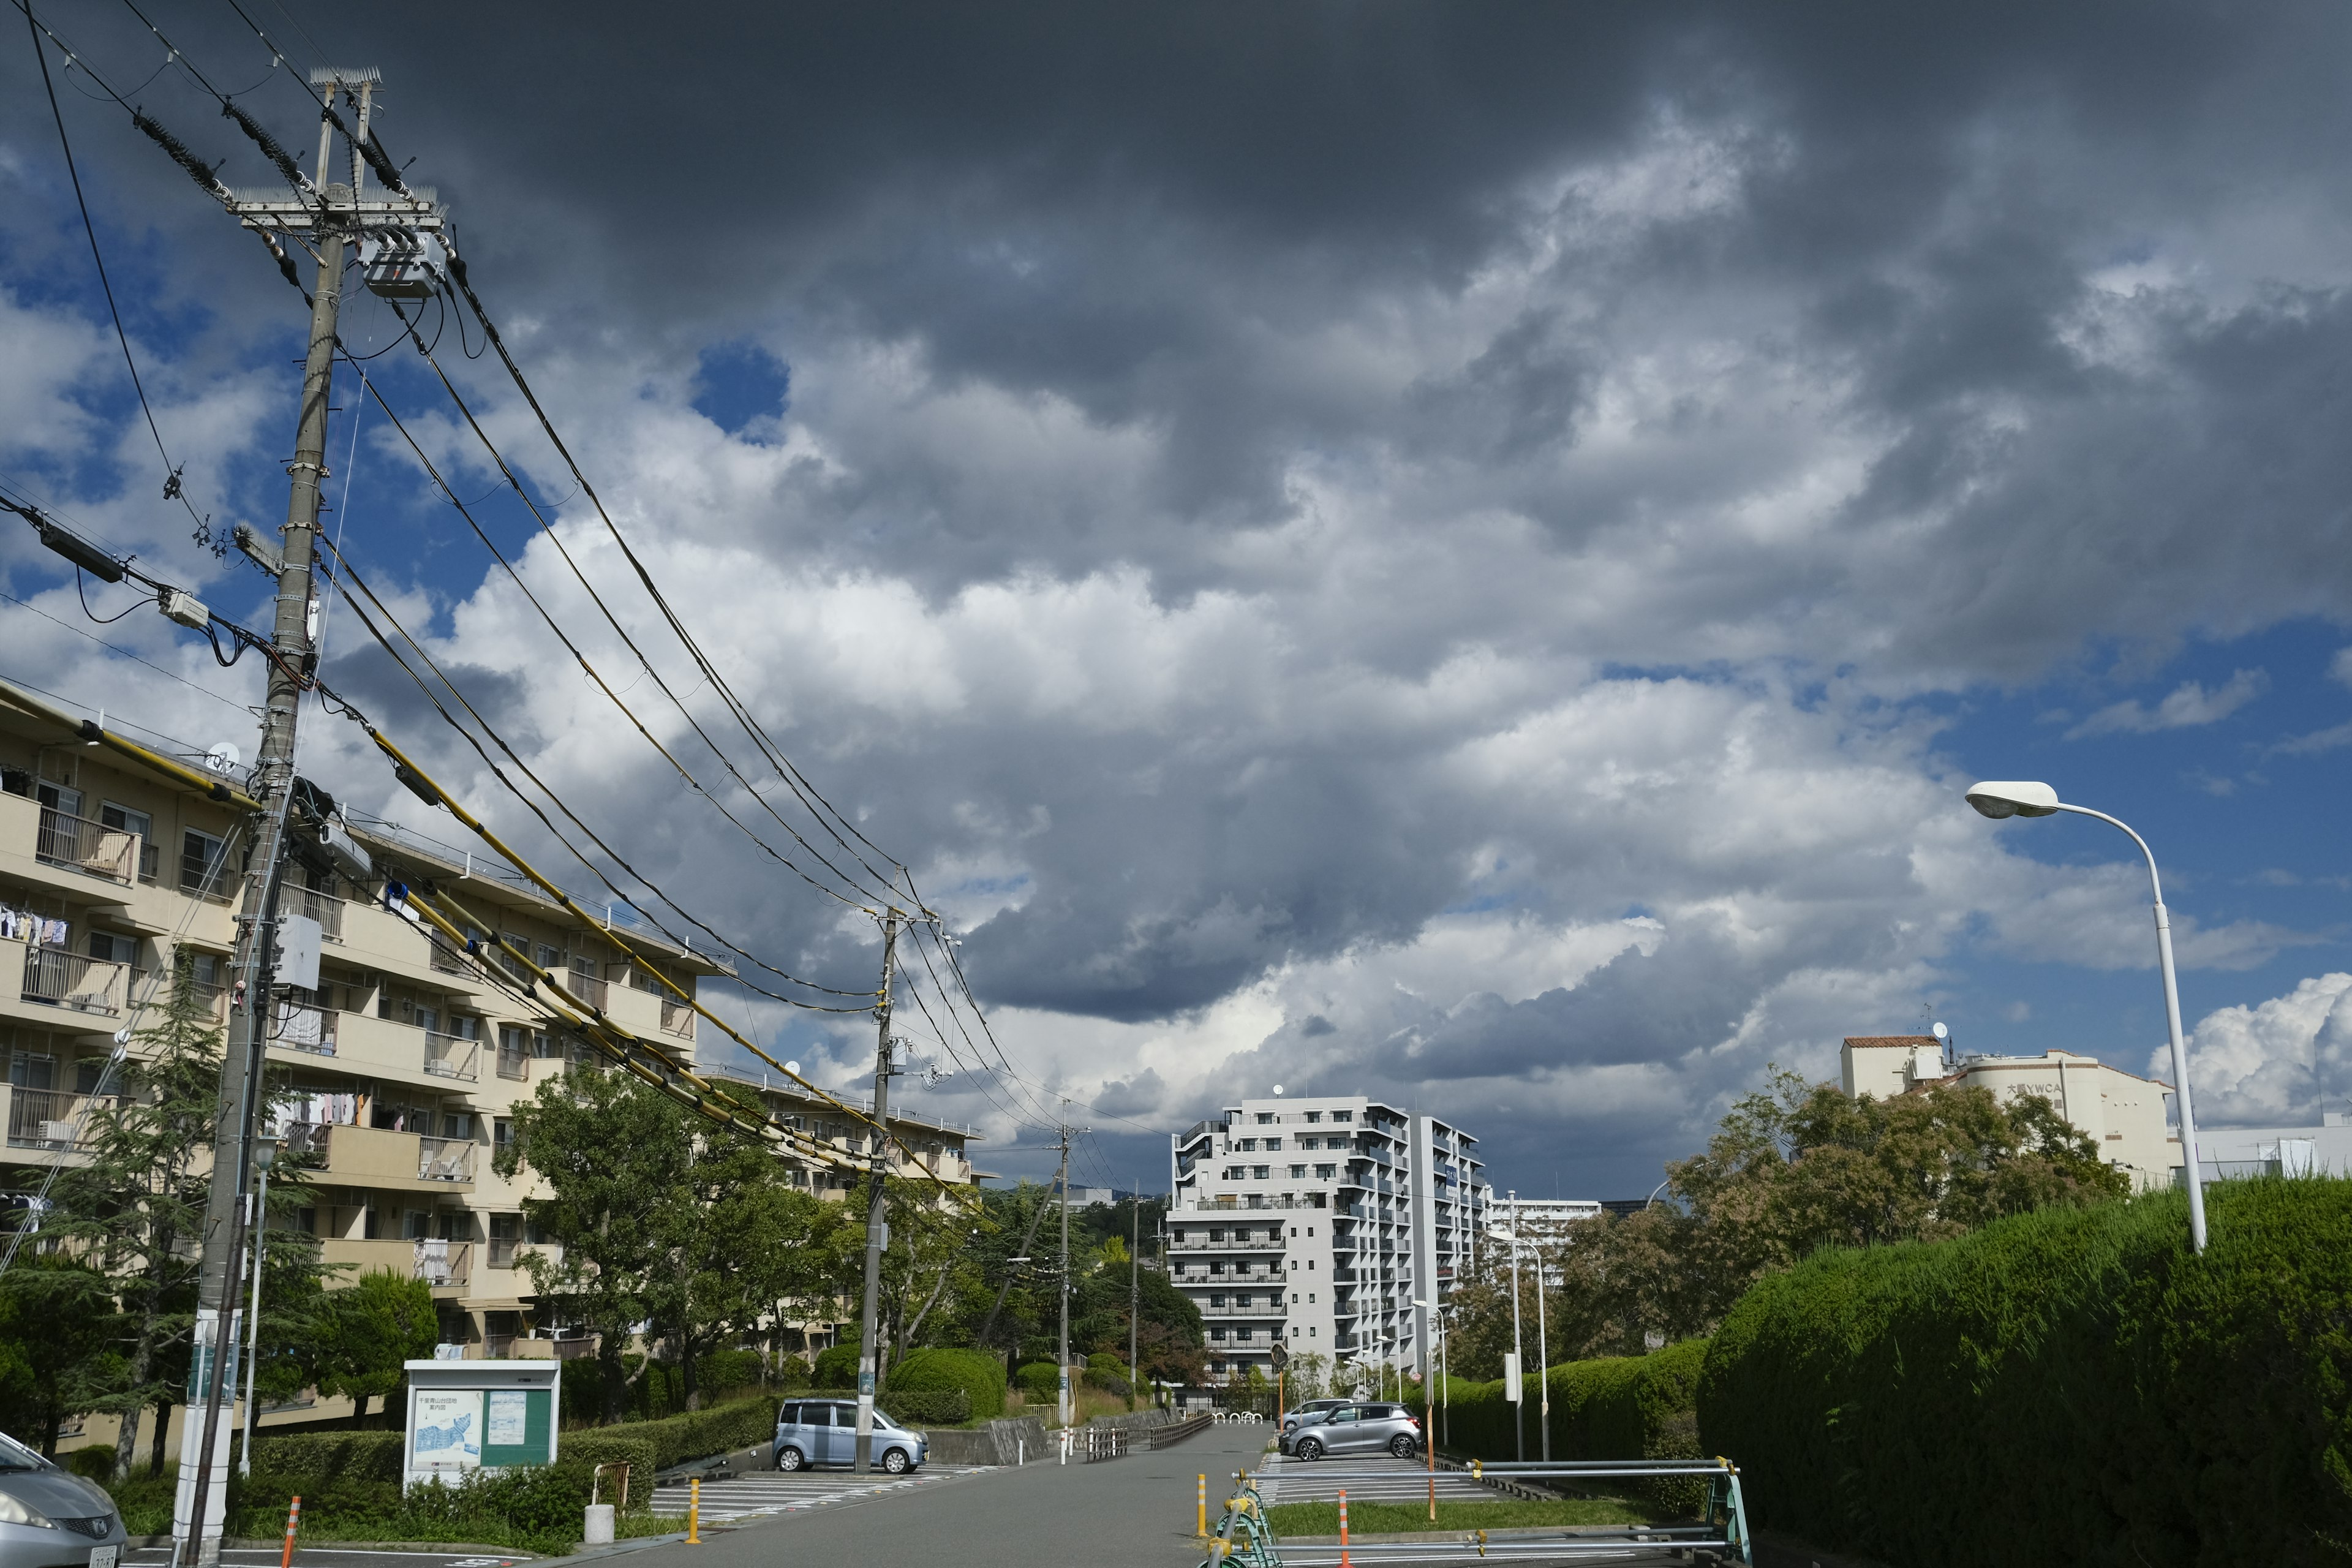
[618, 1163]
[133, 1213]
[55, 1318]
[746, 1244]
[372, 1328]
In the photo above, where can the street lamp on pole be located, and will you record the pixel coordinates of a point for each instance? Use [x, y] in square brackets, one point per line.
[2007, 797]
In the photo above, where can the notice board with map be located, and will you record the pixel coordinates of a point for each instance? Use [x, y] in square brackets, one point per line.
[479, 1414]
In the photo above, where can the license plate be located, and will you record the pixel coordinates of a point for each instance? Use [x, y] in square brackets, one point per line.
[103, 1556]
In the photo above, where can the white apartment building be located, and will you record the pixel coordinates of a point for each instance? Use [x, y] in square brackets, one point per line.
[1315, 1223]
[405, 1063]
[2123, 1114]
[1544, 1225]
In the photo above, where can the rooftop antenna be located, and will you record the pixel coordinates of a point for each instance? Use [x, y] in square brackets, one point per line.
[1943, 1038]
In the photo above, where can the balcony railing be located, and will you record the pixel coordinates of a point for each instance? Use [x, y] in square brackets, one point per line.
[324, 908]
[86, 846]
[307, 1138]
[1201, 1243]
[677, 1018]
[215, 880]
[502, 1251]
[589, 989]
[514, 1062]
[63, 979]
[445, 1159]
[443, 1263]
[1273, 1309]
[303, 1027]
[445, 959]
[449, 1056]
[45, 1117]
[575, 1350]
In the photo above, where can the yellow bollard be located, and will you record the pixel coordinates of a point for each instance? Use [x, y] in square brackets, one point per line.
[694, 1512]
[1482, 1543]
[1201, 1512]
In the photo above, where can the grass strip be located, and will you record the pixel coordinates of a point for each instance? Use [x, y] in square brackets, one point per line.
[1503, 1513]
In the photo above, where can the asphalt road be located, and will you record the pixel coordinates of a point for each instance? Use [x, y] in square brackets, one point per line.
[1135, 1512]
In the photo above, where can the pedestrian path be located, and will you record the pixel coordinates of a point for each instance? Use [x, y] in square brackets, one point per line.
[1368, 1478]
[764, 1492]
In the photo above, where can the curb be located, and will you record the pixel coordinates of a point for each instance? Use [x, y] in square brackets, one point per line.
[446, 1547]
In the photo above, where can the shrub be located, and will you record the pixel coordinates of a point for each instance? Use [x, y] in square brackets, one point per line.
[721, 1429]
[614, 1445]
[95, 1463]
[978, 1376]
[1614, 1407]
[2067, 1386]
[310, 1462]
[837, 1367]
[729, 1372]
[1039, 1380]
[927, 1407]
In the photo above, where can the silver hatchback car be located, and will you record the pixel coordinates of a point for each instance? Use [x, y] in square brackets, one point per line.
[51, 1518]
[1364, 1427]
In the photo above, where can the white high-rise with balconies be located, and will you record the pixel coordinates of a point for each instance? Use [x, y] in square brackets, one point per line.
[1315, 1223]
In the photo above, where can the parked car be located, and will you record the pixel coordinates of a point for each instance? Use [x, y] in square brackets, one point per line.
[1356, 1428]
[824, 1432]
[51, 1518]
[1310, 1410]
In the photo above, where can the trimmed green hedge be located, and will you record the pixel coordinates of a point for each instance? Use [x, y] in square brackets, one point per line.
[837, 1367]
[309, 1462]
[615, 1445]
[1616, 1408]
[721, 1429]
[1039, 1380]
[978, 1376]
[927, 1407]
[2063, 1387]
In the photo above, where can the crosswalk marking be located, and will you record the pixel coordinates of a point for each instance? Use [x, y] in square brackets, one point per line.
[771, 1492]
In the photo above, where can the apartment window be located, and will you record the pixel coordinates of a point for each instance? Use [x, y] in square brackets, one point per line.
[1244, 1334]
[1343, 1116]
[1217, 1298]
[549, 957]
[1217, 1336]
[204, 863]
[109, 948]
[1313, 1117]
[1310, 1298]
[33, 1069]
[1266, 1119]
[1274, 1145]
[1294, 1298]
[1247, 1146]
[1231, 1174]
[1258, 1173]
[1297, 1172]
[1215, 1234]
[1326, 1173]
[1310, 1230]
[501, 1133]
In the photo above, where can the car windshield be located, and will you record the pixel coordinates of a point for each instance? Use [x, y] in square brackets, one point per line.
[14, 1456]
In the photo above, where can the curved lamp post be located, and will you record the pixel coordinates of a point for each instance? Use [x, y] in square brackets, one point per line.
[2006, 797]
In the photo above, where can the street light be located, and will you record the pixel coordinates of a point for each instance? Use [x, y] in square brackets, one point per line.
[2007, 797]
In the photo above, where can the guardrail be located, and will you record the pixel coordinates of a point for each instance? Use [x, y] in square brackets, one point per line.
[86, 846]
[64, 979]
[1176, 1432]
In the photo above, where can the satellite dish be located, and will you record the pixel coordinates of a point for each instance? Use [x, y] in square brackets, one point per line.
[1940, 1032]
[1277, 1089]
[223, 758]
[794, 1068]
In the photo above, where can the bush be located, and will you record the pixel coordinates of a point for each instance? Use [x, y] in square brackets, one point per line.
[721, 1429]
[837, 1367]
[95, 1463]
[1614, 1407]
[310, 1462]
[977, 1375]
[615, 1445]
[2067, 1386]
[729, 1372]
[927, 1407]
[1039, 1380]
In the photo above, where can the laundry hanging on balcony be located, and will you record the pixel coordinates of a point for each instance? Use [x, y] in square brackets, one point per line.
[24, 925]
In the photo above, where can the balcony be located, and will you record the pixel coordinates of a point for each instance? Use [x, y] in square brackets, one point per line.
[81, 845]
[1274, 1309]
[450, 1056]
[1190, 1244]
[324, 908]
[677, 1018]
[379, 1157]
[47, 1118]
[445, 960]
[57, 978]
[303, 1027]
[444, 1264]
[514, 1062]
[503, 1249]
[589, 989]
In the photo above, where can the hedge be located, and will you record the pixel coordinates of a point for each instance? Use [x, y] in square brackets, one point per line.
[1616, 1408]
[977, 1375]
[1039, 1380]
[2067, 1386]
[926, 1406]
[721, 1429]
[837, 1367]
[623, 1445]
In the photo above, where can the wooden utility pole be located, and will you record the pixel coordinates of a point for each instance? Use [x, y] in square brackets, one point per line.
[1062, 1359]
[877, 1219]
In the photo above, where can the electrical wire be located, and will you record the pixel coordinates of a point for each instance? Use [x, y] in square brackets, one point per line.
[117, 647]
[174, 487]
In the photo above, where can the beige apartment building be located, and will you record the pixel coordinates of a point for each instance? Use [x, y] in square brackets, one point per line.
[2123, 1114]
[402, 1066]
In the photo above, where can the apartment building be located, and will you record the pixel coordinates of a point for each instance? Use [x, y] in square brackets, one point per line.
[2125, 1115]
[1317, 1224]
[401, 1068]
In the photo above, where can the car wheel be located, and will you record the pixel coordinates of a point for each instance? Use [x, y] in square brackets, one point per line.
[1309, 1448]
[1402, 1447]
[789, 1459]
[895, 1461]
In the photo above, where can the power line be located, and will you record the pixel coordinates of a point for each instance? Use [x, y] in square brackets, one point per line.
[117, 647]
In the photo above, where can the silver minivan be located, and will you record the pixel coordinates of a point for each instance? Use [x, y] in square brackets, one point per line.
[824, 1432]
[51, 1518]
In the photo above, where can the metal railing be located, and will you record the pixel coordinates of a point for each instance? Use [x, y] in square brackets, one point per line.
[443, 1263]
[589, 989]
[1275, 1310]
[445, 1159]
[299, 1026]
[451, 1056]
[324, 908]
[574, 1349]
[502, 1251]
[86, 846]
[1190, 1244]
[64, 979]
[213, 880]
[444, 958]
[514, 1062]
[677, 1018]
[45, 1117]
[307, 1137]
[495, 1347]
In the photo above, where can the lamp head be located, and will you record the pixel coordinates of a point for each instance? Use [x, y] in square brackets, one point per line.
[1998, 798]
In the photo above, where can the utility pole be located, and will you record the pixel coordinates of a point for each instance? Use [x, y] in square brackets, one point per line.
[1135, 1291]
[878, 1222]
[1543, 1364]
[1062, 1358]
[1518, 1376]
[330, 216]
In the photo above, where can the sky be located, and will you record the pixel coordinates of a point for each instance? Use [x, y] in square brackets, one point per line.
[1461, 554]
